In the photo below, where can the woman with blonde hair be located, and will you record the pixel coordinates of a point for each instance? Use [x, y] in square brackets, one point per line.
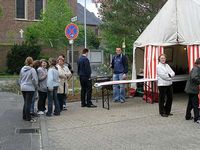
[28, 83]
[64, 75]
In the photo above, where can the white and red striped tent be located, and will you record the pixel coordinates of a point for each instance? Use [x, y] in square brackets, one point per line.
[177, 23]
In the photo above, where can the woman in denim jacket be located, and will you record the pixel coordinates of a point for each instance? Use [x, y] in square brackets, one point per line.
[52, 86]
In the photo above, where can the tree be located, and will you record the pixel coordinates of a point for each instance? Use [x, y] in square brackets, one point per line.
[50, 31]
[17, 55]
[126, 19]
[1, 11]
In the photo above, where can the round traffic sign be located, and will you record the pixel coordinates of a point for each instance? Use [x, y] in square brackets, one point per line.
[71, 31]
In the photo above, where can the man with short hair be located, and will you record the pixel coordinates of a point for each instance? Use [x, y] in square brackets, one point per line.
[84, 72]
[119, 65]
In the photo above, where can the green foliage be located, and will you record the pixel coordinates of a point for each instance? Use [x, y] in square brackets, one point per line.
[32, 35]
[1, 11]
[92, 40]
[18, 54]
[50, 30]
[126, 19]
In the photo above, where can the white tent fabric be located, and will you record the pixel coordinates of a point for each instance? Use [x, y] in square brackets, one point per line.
[178, 22]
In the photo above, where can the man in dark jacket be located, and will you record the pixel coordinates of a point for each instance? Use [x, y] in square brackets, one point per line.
[84, 72]
[192, 88]
[119, 65]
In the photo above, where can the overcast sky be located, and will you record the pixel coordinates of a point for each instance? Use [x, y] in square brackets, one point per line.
[89, 5]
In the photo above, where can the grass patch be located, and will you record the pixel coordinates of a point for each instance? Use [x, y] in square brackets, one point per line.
[6, 76]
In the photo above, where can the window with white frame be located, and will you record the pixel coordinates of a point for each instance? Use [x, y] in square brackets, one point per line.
[21, 9]
[39, 6]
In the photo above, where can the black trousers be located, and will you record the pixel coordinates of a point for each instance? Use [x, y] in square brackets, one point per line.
[165, 104]
[61, 99]
[193, 103]
[27, 95]
[86, 90]
[42, 101]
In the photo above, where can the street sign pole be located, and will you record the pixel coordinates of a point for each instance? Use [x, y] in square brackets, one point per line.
[72, 58]
[85, 29]
[71, 32]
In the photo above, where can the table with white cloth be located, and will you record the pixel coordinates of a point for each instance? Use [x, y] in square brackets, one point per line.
[106, 91]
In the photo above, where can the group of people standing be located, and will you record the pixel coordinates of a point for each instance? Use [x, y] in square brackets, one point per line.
[164, 76]
[52, 84]
[48, 80]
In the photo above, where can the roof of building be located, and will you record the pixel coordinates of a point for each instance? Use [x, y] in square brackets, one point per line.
[174, 24]
[91, 19]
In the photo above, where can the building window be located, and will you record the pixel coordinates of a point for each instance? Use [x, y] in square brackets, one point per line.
[38, 8]
[21, 9]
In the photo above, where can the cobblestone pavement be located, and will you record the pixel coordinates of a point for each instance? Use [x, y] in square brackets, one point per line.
[134, 125]
[11, 122]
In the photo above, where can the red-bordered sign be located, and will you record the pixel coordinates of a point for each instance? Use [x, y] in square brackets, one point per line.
[71, 31]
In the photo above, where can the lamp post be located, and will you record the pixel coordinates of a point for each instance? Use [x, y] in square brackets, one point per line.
[124, 45]
[85, 25]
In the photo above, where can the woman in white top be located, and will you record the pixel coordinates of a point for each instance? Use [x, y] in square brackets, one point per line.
[64, 75]
[164, 75]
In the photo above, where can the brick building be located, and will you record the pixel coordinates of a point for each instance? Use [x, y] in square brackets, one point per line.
[15, 16]
[18, 14]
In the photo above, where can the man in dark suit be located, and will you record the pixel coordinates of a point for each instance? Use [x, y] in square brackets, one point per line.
[84, 72]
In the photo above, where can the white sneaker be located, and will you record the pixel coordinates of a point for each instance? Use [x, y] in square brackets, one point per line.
[64, 107]
[40, 113]
[198, 121]
[32, 120]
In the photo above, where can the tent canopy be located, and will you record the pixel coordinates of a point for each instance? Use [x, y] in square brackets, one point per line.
[178, 22]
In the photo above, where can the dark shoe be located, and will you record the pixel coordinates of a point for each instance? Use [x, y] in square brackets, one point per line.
[91, 106]
[191, 118]
[56, 114]
[116, 100]
[48, 115]
[164, 115]
[170, 114]
[34, 114]
[83, 105]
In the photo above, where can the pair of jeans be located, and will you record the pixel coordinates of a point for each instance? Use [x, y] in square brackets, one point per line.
[27, 95]
[33, 102]
[86, 90]
[65, 100]
[52, 97]
[42, 100]
[193, 103]
[118, 89]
